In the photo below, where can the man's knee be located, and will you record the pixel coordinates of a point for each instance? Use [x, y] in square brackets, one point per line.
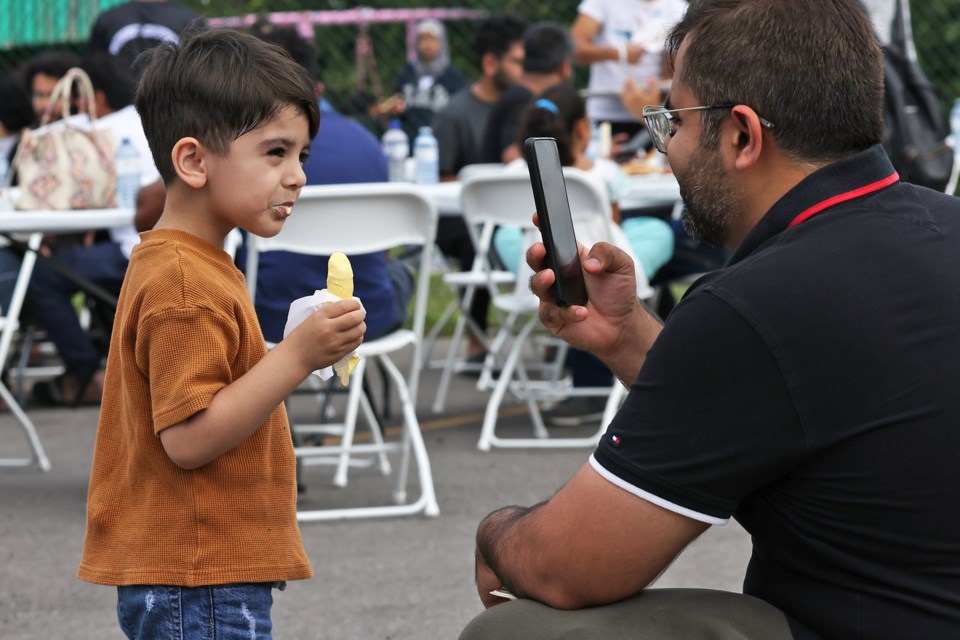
[655, 614]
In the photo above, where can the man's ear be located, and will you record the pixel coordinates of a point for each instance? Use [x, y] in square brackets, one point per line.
[746, 136]
[488, 64]
[188, 156]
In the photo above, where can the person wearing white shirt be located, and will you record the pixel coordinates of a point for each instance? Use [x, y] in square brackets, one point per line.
[621, 40]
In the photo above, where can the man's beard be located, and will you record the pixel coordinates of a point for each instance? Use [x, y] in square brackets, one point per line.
[709, 203]
[501, 81]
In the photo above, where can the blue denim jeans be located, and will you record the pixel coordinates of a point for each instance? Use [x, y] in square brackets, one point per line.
[221, 612]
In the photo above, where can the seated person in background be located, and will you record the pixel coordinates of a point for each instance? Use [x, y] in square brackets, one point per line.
[547, 60]
[560, 113]
[41, 74]
[342, 153]
[425, 84]
[459, 128]
[16, 114]
[49, 296]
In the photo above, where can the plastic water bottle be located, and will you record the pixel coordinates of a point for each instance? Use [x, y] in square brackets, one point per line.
[396, 147]
[955, 126]
[128, 175]
[426, 155]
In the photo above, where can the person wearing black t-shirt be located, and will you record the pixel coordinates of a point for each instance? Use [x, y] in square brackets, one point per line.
[547, 60]
[807, 388]
[129, 29]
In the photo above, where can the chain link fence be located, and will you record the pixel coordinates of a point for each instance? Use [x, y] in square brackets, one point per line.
[360, 57]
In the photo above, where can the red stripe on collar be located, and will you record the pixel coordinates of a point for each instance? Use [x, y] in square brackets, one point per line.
[843, 197]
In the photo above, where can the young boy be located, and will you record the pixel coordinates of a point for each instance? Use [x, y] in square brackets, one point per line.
[192, 504]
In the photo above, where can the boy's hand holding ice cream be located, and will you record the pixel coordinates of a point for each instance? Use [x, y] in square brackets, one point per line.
[339, 287]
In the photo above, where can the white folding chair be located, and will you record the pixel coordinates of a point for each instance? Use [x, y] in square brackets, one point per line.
[359, 219]
[465, 284]
[506, 199]
[9, 324]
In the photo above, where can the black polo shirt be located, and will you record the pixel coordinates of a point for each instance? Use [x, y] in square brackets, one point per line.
[811, 389]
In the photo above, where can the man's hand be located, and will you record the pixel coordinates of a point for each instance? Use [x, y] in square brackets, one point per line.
[487, 581]
[613, 326]
[612, 287]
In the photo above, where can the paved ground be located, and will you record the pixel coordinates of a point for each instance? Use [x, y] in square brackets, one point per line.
[393, 579]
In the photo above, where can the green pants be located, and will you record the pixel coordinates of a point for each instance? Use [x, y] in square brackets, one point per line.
[655, 614]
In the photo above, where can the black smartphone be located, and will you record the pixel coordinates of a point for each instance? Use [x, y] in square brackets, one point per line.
[556, 222]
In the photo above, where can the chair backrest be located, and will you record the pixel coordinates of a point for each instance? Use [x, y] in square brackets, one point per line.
[357, 219]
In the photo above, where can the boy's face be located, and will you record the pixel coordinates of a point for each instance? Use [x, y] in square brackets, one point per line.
[255, 185]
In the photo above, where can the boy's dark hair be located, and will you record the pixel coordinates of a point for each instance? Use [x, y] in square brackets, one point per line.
[546, 46]
[50, 63]
[812, 67]
[497, 34]
[553, 115]
[216, 86]
[112, 76]
[290, 41]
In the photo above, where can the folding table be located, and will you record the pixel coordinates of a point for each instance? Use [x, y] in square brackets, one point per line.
[34, 225]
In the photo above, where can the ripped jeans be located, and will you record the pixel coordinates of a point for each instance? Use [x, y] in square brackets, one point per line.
[223, 612]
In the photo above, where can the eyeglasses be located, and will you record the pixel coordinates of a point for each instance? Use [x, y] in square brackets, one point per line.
[660, 122]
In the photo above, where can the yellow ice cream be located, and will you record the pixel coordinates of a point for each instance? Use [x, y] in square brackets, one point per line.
[340, 284]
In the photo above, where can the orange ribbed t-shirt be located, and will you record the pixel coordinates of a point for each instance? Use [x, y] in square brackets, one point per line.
[185, 328]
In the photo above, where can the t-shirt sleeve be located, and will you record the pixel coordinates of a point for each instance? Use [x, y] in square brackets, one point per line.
[445, 130]
[187, 355]
[709, 419]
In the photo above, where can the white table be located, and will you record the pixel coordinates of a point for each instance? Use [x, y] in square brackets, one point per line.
[36, 224]
[646, 191]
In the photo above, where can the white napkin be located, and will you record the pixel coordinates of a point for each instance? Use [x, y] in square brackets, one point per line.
[303, 308]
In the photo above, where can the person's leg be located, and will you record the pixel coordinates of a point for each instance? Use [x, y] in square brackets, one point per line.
[9, 270]
[454, 241]
[655, 614]
[49, 304]
[226, 612]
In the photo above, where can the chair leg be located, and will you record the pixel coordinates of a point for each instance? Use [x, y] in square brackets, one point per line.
[452, 352]
[39, 457]
[349, 426]
[376, 431]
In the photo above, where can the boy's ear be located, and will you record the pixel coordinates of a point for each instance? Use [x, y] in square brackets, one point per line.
[188, 161]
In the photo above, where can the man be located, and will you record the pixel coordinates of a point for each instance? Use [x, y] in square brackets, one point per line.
[459, 129]
[130, 28]
[547, 60]
[49, 296]
[460, 125]
[806, 389]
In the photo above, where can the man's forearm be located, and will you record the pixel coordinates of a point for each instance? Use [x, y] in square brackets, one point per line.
[493, 547]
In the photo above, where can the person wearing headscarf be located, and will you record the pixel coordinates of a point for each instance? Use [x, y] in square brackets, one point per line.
[426, 83]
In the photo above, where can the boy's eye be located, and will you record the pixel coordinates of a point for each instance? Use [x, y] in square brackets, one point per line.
[304, 157]
[277, 151]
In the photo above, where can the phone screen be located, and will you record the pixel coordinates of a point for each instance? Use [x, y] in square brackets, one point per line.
[556, 222]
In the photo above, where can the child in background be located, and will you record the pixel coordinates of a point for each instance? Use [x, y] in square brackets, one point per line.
[560, 113]
[191, 510]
